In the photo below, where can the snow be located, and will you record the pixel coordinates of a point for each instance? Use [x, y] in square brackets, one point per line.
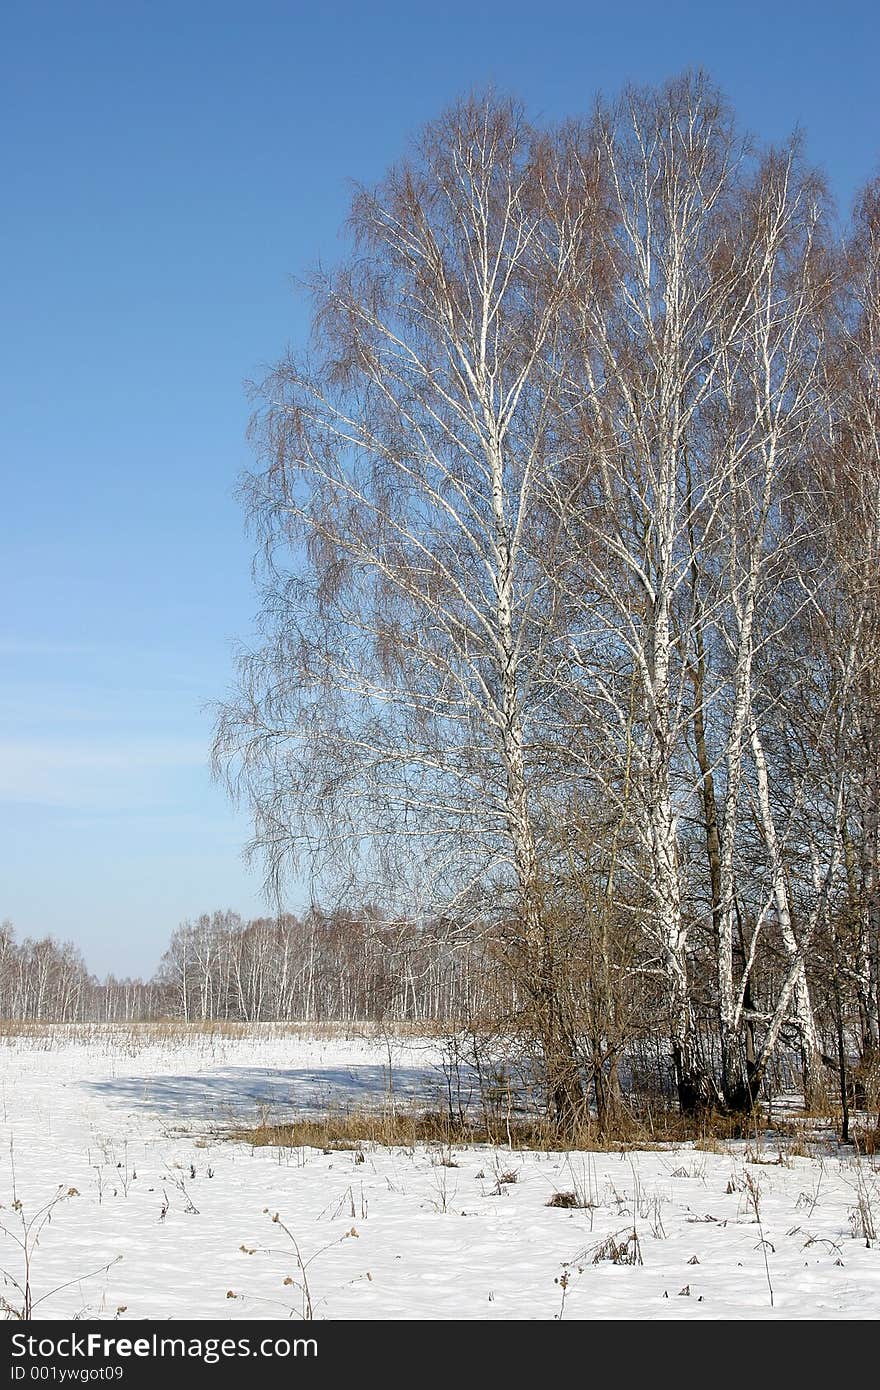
[130, 1132]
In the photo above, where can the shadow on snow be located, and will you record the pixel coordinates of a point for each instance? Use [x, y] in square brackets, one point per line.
[235, 1093]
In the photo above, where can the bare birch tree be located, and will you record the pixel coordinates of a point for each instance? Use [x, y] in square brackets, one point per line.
[390, 723]
[695, 400]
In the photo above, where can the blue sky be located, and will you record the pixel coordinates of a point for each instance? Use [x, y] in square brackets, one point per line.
[167, 168]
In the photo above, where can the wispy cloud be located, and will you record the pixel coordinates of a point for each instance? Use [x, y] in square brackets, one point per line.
[91, 774]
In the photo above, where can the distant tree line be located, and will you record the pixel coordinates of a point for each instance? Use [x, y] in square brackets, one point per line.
[314, 968]
[48, 981]
[332, 966]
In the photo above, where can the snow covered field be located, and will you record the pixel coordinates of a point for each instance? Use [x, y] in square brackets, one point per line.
[129, 1135]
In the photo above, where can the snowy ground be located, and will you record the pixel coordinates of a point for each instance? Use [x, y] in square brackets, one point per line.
[129, 1135]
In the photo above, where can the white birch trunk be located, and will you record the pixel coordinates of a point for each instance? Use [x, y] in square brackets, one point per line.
[802, 1003]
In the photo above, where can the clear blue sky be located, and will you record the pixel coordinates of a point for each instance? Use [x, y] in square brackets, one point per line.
[167, 167]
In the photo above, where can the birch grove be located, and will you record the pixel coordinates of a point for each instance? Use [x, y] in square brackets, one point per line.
[565, 699]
